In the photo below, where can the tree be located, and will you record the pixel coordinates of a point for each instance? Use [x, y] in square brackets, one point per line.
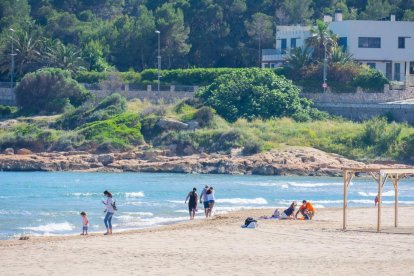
[298, 58]
[298, 11]
[14, 14]
[260, 28]
[376, 9]
[170, 22]
[49, 91]
[63, 56]
[253, 93]
[338, 55]
[321, 38]
[92, 53]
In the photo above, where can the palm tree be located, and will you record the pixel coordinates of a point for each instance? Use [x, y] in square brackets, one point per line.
[321, 39]
[64, 56]
[298, 58]
[338, 55]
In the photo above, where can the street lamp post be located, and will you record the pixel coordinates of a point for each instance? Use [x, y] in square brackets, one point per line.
[12, 61]
[325, 85]
[159, 58]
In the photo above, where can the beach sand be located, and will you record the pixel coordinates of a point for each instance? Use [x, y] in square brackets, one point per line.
[219, 246]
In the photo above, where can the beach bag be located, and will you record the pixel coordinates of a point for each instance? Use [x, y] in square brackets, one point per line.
[114, 206]
[248, 221]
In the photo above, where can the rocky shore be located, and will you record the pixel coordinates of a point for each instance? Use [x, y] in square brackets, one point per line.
[289, 161]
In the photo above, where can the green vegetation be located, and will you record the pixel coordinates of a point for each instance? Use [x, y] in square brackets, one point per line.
[49, 91]
[111, 35]
[256, 93]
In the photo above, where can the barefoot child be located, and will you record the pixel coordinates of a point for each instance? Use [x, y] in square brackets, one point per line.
[85, 223]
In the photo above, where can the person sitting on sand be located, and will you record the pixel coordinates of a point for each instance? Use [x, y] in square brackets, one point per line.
[204, 199]
[211, 200]
[109, 210]
[306, 210]
[276, 215]
[192, 203]
[85, 223]
[289, 212]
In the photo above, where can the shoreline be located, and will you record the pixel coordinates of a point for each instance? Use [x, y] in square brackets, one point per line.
[300, 161]
[318, 247]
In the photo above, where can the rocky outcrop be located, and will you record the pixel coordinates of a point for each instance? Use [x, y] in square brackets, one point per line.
[290, 161]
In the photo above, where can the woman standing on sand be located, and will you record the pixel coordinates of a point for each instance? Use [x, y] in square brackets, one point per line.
[109, 203]
[211, 200]
[192, 203]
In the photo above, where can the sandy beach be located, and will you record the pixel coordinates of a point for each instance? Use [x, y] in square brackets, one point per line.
[219, 246]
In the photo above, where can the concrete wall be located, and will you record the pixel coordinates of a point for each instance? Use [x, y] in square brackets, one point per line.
[359, 112]
[361, 97]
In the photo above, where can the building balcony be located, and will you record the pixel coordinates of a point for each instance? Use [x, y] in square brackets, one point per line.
[273, 55]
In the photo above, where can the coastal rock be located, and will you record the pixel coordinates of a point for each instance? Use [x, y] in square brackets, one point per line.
[170, 124]
[106, 159]
[24, 151]
[9, 151]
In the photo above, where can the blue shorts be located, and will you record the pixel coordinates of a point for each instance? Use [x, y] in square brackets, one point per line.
[206, 204]
[85, 228]
[211, 201]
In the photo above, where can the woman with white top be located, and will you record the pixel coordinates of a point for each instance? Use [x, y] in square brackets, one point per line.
[109, 212]
[211, 200]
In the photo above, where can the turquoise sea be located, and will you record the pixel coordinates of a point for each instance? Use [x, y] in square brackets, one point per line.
[40, 203]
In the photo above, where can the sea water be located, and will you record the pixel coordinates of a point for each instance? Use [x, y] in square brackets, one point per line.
[40, 203]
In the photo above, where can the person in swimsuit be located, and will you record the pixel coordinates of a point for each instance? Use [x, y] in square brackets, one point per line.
[192, 198]
[288, 213]
[204, 200]
[211, 201]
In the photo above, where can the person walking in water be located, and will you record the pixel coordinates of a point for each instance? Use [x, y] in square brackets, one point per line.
[110, 210]
[204, 199]
[211, 200]
[192, 198]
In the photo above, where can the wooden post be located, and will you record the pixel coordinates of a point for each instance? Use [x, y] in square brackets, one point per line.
[379, 202]
[395, 182]
[345, 192]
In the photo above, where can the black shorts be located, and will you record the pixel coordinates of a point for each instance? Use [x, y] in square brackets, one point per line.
[191, 207]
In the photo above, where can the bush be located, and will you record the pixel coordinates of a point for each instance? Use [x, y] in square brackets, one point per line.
[251, 147]
[370, 80]
[121, 131]
[204, 116]
[407, 149]
[252, 93]
[91, 77]
[49, 91]
[112, 105]
[195, 76]
[6, 111]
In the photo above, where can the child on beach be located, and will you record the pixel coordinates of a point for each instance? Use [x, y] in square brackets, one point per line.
[85, 223]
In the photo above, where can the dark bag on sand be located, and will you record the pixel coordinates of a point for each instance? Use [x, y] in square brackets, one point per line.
[114, 206]
[248, 221]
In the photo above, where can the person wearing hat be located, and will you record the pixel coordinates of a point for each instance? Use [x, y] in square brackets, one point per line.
[306, 209]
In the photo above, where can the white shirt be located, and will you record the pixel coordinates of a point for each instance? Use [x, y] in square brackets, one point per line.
[108, 204]
[211, 196]
[204, 195]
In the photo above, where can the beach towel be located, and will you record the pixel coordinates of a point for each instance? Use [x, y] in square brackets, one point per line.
[251, 225]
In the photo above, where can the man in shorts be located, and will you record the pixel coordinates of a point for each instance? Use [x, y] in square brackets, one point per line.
[306, 210]
[204, 199]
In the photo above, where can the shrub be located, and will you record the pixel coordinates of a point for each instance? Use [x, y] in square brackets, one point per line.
[6, 111]
[49, 91]
[112, 105]
[371, 80]
[98, 77]
[251, 147]
[120, 131]
[252, 93]
[407, 149]
[204, 116]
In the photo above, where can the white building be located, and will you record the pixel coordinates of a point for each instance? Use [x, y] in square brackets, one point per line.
[385, 45]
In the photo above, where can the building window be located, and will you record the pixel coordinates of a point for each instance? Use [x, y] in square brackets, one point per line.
[401, 43]
[343, 42]
[397, 71]
[412, 68]
[372, 65]
[369, 42]
[388, 70]
[283, 43]
[293, 42]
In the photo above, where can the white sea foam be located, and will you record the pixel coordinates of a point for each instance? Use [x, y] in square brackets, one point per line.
[388, 193]
[139, 214]
[271, 184]
[15, 212]
[255, 201]
[52, 227]
[312, 185]
[84, 194]
[134, 194]
[176, 201]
